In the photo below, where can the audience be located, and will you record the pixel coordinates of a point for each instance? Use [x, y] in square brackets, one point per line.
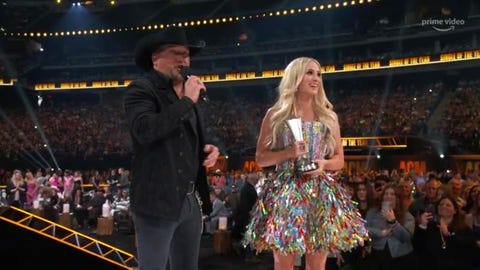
[219, 210]
[16, 189]
[98, 130]
[241, 214]
[443, 239]
[391, 228]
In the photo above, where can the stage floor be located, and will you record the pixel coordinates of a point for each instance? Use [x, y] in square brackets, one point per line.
[209, 260]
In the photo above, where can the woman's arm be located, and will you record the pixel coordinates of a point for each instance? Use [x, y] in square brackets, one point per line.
[404, 231]
[336, 162]
[373, 224]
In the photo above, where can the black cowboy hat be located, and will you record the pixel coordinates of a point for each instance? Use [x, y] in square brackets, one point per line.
[150, 43]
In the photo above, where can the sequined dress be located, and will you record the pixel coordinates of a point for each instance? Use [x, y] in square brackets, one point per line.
[301, 213]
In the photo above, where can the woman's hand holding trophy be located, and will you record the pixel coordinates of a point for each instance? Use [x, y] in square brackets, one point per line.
[302, 163]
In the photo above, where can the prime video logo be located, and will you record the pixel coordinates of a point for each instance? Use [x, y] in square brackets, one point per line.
[443, 25]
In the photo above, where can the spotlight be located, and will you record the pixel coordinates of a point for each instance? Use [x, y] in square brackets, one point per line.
[39, 100]
[442, 155]
[378, 156]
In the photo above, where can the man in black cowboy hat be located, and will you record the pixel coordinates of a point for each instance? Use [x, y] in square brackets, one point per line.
[172, 152]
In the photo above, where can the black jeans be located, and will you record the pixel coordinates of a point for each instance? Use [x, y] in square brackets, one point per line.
[174, 242]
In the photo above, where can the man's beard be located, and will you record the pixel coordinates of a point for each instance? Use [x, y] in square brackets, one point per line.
[176, 76]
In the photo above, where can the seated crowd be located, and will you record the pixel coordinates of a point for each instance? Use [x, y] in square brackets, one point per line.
[415, 219]
[97, 130]
[52, 193]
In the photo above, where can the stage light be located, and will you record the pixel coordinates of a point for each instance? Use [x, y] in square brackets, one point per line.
[39, 101]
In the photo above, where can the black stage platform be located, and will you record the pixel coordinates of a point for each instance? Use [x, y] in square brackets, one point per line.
[209, 260]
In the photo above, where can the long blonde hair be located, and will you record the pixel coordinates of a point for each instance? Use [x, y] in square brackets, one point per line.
[284, 108]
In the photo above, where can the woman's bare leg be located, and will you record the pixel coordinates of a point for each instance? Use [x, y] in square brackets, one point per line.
[283, 261]
[316, 261]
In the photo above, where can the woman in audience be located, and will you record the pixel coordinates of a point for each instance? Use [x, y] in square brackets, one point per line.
[363, 197]
[68, 183]
[31, 183]
[78, 180]
[16, 190]
[472, 198]
[56, 181]
[443, 241]
[391, 228]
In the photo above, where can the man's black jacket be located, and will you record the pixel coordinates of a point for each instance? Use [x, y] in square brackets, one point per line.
[168, 136]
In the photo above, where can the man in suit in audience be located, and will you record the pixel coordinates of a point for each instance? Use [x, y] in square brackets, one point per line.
[241, 216]
[94, 207]
[218, 210]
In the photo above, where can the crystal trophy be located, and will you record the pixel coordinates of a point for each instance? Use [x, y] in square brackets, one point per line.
[302, 164]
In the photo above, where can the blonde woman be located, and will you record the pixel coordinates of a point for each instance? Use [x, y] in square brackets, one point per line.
[16, 189]
[31, 183]
[302, 213]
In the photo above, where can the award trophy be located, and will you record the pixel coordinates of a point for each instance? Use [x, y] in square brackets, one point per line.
[302, 164]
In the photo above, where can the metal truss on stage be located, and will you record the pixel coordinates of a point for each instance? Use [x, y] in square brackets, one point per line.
[67, 236]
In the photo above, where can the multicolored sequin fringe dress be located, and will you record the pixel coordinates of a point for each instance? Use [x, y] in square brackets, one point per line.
[304, 214]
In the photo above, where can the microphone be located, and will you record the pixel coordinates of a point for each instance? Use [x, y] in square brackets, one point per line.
[186, 73]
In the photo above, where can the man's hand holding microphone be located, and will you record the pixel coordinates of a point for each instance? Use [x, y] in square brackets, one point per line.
[194, 87]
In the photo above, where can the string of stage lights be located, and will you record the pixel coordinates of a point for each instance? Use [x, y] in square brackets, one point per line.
[192, 23]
